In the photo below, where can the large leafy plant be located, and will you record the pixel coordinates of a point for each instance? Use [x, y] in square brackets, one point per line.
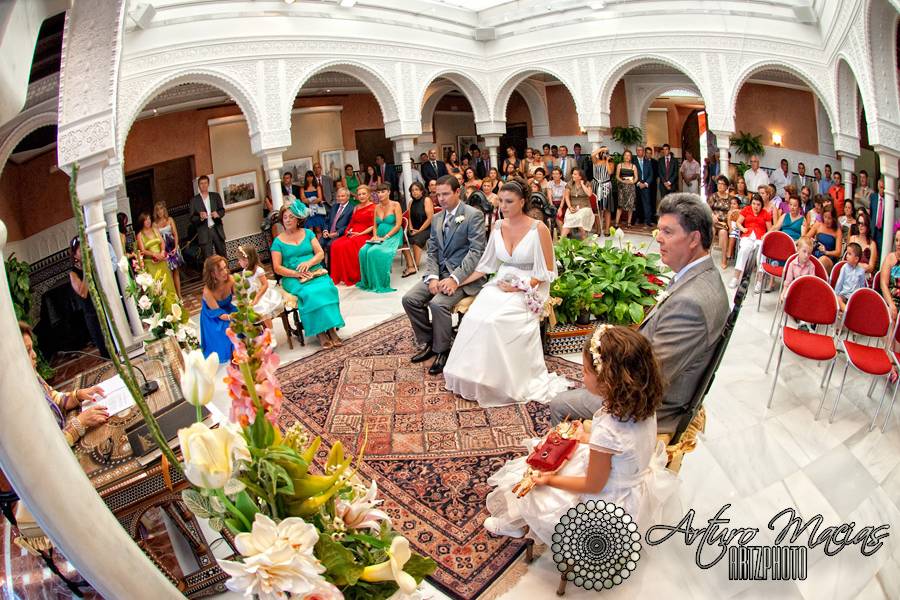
[18, 275]
[628, 136]
[748, 144]
[614, 282]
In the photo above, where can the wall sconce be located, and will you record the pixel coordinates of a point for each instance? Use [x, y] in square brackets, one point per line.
[776, 139]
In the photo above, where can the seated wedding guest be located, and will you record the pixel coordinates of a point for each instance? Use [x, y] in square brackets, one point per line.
[578, 206]
[815, 215]
[847, 219]
[377, 254]
[337, 222]
[351, 182]
[556, 189]
[836, 191]
[827, 239]
[62, 402]
[314, 198]
[862, 235]
[618, 458]
[540, 177]
[266, 300]
[741, 192]
[511, 171]
[494, 176]
[487, 188]
[497, 358]
[432, 193]
[684, 329]
[216, 308]
[806, 199]
[344, 260]
[421, 212]
[791, 222]
[720, 203]
[471, 183]
[753, 224]
[852, 276]
[297, 257]
[83, 299]
[152, 250]
[371, 177]
[890, 278]
[802, 265]
[169, 232]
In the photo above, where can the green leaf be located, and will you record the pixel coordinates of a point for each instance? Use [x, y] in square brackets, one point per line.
[247, 507]
[419, 567]
[637, 312]
[196, 503]
[235, 526]
[338, 561]
[216, 523]
[367, 539]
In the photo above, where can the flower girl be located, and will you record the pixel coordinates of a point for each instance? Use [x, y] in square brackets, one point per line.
[267, 301]
[617, 459]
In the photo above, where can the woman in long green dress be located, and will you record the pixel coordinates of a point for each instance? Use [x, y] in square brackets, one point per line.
[152, 248]
[377, 254]
[297, 257]
[352, 182]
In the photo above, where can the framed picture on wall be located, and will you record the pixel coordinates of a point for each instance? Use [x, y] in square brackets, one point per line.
[446, 149]
[332, 162]
[463, 142]
[298, 167]
[239, 189]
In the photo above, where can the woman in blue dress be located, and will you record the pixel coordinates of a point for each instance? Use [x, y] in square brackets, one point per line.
[826, 237]
[377, 254]
[315, 200]
[297, 257]
[215, 313]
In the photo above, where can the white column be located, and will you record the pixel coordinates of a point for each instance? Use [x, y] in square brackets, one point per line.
[595, 137]
[60, 496]
[723, 141]
[890, 171]
[492, 143]
[848, 166]
[110, 210]
[404, 145]
[90, 194]
[273, 162]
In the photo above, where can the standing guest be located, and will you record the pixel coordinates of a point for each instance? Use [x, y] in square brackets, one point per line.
[512, 172]
[741, 192]
[817, 179]
[265, 298]
[62, 402]
[388, 173]
[537, 162]
[567, 163]
[351, 182]
[582, 161]
[207, 211]
[602, 186]
[625, 176]
[415, 174]
[216, 308]
[645, 185]
[801, 178]
[122, 219]
[338, 219]
[377, 254]
[433, 168]
[668, 172]
[344, 262]
[862, 235]
[511, 159]
[325, 183]
[421, 212]
[791, 222]
[547, 157]
[690, 173]
[876, 212]
[825, 182]
[765, 194]
[890, 278]
[289, 191]
[313, 197]
[755, 176]
[683, 330]
[528, 165]
[453, 165]
[847, 220]
[852, 276]
[82, 297]
[480, 163]
[781, 177]
[826, 237]
[720, 203]
[753, 224]
[734, 234]
[554, 152]
[152, 250]
[371, 177]
[836, 191]
[578, 206]
[471, 182]
[863, 191]
[169, 232]
[297, 257]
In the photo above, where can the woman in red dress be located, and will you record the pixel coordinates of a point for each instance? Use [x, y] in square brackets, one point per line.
[345, 249]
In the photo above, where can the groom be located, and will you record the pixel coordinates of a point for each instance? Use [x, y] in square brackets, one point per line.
[454, 249]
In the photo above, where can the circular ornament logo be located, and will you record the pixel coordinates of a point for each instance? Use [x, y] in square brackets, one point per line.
[596, 545]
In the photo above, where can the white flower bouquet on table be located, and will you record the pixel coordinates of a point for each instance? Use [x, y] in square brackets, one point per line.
[163, 314]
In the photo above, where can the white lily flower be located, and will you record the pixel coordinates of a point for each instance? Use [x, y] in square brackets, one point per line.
[176, 311]
[361, 513]
[392, 569]
[144, 280]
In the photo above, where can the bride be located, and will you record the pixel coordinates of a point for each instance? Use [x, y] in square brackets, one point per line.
[497, 357]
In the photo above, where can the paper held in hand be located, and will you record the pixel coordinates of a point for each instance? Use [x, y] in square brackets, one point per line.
[117, 399]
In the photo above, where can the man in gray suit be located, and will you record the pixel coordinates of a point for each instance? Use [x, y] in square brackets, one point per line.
[456, 244]
[326, 183]
[686, 324]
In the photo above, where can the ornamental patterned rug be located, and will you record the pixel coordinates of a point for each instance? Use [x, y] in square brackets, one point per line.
[431, 452]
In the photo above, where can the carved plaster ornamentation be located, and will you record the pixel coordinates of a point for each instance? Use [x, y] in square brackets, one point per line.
[474, 91]
[84, 140]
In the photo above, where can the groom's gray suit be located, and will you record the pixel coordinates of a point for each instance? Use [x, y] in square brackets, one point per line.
[455, 255]
[683, 330]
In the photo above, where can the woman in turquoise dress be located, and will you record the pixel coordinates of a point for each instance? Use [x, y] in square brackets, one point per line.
[377, 254]
[297, 257]
[216, 308]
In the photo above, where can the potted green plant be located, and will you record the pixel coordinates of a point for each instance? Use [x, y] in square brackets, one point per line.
[748, 144]
[18, 274]
[628, 136]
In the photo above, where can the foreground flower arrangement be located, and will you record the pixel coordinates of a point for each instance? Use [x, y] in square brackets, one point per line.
[163, 314]
[299, 534]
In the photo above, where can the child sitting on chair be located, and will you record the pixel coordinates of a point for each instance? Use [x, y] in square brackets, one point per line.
[618, 458]
[802, 265]
[852, 277]
[267, 301]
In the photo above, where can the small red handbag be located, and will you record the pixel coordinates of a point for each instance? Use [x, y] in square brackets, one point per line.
[552, 453]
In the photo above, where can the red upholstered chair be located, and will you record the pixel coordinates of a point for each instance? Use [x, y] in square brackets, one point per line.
[866, 315]
[776, 246]
[406, 246]
[811, 300]
[778, 303]
[895, 359]
[836, 272]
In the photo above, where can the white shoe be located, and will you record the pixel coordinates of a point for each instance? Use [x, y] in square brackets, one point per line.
[495, 526]
[733, 283]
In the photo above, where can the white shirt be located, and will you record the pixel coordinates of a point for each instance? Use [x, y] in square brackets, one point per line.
[779, 180]
[209, 219]
[687, 268]
[755, 179]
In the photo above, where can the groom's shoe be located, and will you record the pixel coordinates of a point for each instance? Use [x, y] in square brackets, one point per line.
[437, 367]
[422, 355]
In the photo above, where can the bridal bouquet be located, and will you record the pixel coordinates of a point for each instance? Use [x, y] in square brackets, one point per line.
[164, 314]
[303, 529]
[533, 299]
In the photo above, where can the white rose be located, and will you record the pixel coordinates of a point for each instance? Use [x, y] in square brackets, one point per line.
[459, 219]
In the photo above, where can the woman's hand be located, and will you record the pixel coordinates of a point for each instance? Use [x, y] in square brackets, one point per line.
[303, 267]
[541, 478]
[92, 416]
[225, 317]
[506, 287]
[85, 394]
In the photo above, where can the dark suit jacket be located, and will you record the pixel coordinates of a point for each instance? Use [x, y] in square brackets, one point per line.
[584, 163]
[429, 172]
[645, 170]
[340, 225]
[390, 177]
[295, 190]
[671, 175]
[683, 330]
[481, 167]
[215, 205]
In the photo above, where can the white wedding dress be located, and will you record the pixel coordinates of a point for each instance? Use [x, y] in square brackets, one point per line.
[497, 357]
